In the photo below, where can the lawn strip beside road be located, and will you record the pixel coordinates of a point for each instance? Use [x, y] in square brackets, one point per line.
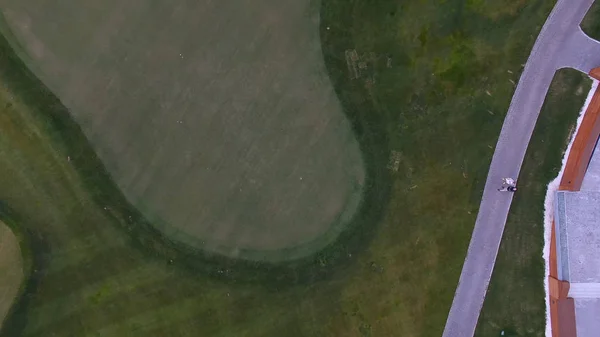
[559, 44]
[515, 298]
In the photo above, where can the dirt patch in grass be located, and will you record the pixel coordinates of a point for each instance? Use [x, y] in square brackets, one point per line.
[220, 123]
[515, 300]
[11, 269]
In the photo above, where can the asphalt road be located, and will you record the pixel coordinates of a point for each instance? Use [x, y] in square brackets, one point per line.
[560, 44]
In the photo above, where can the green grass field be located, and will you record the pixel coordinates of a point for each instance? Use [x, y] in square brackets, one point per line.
[11, 270]
[426, 110]
[227, 136]
[590, 24]
[515, 299]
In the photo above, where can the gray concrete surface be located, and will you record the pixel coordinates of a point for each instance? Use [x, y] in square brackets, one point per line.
[559, 44]
[579, 51]
[578, 247]
[562, 242]
[591, 180]
[578, 236]
[587, 312]
[584, 290]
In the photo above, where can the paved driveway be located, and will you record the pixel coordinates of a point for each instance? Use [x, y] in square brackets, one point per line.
[561, 43]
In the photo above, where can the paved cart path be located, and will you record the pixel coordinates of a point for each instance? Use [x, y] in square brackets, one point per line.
[560, 44]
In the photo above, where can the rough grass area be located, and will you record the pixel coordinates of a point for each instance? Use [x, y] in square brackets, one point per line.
[11, 269]
[443, 84]
[435, 80]
[219, 124]
[515, 300]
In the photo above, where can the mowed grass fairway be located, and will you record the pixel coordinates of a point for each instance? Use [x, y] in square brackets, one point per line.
[215, 118]
[433, 88]
[11, 269]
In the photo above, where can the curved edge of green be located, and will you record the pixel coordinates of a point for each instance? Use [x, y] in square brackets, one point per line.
[24, 239]
[308, 248]
[344, 221]
[279, 269]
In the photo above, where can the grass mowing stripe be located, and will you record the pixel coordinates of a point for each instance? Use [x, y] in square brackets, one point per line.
[75, 252]
[11, 269]
[86, 273]
[103, 292]
[222, 325]
[94, 299]
[515, 299]
[141, 323]
[31, 132]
